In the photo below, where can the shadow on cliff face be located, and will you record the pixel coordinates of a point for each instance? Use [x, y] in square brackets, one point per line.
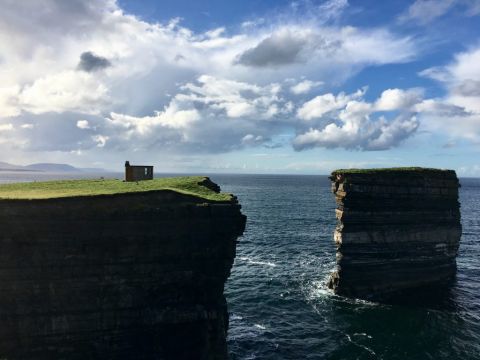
[437, 297]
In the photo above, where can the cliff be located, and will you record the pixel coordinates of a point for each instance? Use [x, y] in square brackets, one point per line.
[397, 230]
[122, 275]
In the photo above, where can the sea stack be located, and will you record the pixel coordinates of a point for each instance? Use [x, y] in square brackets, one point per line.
[116, 270]
[398, 230]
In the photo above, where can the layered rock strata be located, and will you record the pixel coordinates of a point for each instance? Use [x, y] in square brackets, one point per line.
[127, 276]
[397, 230]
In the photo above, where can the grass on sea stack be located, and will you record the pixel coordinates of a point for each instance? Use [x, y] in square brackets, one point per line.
[388, 170]
[73, 188]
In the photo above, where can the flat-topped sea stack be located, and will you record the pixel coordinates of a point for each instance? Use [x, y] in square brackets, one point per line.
[398, 230]
[105, 269]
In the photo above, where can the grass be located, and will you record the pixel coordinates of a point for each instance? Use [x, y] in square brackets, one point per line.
[383, 170]
[73, 188]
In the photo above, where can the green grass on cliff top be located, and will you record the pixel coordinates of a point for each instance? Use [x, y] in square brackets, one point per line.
[73, 188]
[383, 170]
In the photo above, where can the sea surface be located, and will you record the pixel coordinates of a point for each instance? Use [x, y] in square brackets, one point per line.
[280, 307]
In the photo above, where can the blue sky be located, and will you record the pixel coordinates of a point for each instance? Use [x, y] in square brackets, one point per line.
[241, 86]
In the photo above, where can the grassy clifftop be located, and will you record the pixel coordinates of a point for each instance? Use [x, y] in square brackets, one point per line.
[388, 170]
[190, 185]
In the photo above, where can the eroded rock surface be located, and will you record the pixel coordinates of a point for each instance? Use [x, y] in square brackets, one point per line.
[397, 230]
[130, 276]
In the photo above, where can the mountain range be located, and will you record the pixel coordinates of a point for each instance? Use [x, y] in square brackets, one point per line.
[45, 167]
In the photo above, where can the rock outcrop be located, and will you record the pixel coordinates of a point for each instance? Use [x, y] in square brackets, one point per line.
[397, 230]
[125, 276]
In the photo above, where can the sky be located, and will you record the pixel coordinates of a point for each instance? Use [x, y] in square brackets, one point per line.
[250, 86]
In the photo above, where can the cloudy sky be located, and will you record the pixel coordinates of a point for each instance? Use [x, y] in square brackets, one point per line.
[270, 86]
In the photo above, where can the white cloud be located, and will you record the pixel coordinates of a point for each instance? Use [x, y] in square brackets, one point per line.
[237, 99]
[352, 123]
[458, 113]
[304, 87]
[6, 127]
[323, 104]
[425, 11]
[83, 124]
[90, 60]
[210, 113]
[325, 50]
[65, 91]
[171, 117]
[9, 101]
[252, 140]
[398, 99]
[100, 140]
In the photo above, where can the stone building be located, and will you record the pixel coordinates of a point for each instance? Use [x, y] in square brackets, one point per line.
[138, 172]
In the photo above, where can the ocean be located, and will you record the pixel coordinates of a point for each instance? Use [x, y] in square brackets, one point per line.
[280, 307]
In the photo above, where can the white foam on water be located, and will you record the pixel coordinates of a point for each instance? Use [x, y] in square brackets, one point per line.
[360, 345]
[235, 317]
[256, 262]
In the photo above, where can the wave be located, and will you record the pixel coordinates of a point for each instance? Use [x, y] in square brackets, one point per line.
[257, 262]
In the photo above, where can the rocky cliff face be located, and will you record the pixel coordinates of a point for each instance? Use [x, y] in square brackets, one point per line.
[128, 276]
[398, 229]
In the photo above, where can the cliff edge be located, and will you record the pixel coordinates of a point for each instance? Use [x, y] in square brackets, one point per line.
[398, 229]
[136, 273]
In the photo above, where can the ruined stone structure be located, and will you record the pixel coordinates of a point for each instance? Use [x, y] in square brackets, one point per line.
[126, 276]
[138, 172]
[397, 230]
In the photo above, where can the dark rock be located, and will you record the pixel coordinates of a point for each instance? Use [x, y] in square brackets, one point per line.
[130, 276]
[209, 184]
[398, 230]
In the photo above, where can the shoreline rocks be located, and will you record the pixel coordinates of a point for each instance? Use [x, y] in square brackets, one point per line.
[397, 230]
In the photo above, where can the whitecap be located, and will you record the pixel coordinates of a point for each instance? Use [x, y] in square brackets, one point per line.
[362, 334]
[235, 317]
[360, 345]
[256, 262]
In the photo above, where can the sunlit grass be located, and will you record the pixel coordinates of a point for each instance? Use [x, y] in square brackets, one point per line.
[73, 188]
[386, 170]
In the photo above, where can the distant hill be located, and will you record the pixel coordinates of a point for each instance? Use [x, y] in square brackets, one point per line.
[7, 166]
[46, 167]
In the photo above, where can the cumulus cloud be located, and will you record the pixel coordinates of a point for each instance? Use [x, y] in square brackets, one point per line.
[468, 87]
[324, 104]
[138, 86]
[171, 117]
[458, 112]
[304, 87]
[398, 99]
[353, 123]
[252, 140]
[90, 62]
[100, 140]
[65, 91]
[462, 80]
[208, 114]
[237, 99]
[83, 124]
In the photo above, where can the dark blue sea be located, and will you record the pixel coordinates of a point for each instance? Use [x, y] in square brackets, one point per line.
[280, 307]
